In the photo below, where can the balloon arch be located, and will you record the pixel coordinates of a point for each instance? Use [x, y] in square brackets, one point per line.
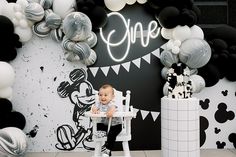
[72, 24]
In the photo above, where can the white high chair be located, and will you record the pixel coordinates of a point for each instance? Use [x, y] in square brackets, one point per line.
[126, 112]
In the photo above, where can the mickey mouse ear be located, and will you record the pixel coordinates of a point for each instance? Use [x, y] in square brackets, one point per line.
[78, 75]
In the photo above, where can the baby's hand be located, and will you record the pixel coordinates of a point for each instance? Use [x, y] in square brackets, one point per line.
[95, 110]
[110, 112]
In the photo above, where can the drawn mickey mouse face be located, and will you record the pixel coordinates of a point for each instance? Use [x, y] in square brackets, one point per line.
[83, 95]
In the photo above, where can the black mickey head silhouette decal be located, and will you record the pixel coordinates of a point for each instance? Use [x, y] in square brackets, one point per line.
[217, 130]
[232, 138]
[222, 115]
[220, 145]
[204, 104]
[225, 92]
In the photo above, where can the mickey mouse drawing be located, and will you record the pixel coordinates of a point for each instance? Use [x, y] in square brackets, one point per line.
[80, 93]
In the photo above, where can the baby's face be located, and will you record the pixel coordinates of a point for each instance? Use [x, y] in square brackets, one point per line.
[105, 95]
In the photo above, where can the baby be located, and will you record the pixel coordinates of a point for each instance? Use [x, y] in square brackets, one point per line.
[106, 104]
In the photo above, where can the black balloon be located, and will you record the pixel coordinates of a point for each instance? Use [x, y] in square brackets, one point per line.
[15, 119]
[210, 73]
[5, 106]
[168, 17]
[98, 17]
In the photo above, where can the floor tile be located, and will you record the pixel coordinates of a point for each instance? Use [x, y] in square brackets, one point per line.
[153, 153]
[217, 153]
[74, 154]
[39, 154]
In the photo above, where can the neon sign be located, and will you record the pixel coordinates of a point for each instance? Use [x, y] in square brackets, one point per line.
[131, 34]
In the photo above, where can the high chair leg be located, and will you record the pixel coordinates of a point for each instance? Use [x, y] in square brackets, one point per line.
[125, 145]
[97, 151]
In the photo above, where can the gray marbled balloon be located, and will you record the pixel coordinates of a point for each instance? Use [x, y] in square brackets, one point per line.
[46, 4]
[67, 44]
[52, 20]
[34, 12]
[195, 52]
[167, 58]
[91, 59]
[40, 29]
[77, 26]
[57, 34]
[92, 40]
[82, 49]
[13, 142]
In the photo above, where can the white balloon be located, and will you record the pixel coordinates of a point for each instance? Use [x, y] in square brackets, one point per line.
[164, 72]
[198, 83]
[6, 92]
[130, 2]
[7, 74]
[63, 7]
[25, 34]
[196, 32]
[165, 89]
[3, 3]
[166, 33]
[115, 5]
[181, 32]
[22, 3]
[9, 10]
[141, 1]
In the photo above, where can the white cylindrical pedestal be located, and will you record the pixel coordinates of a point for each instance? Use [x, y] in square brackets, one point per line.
[180, 127]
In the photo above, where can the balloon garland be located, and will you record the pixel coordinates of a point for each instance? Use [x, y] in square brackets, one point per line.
[72, 24]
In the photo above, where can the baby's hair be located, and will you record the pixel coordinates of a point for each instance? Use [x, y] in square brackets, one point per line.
[107, 86]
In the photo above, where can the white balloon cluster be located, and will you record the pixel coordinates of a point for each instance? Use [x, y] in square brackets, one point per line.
[186, 45]
[7, 78]
[117, 5]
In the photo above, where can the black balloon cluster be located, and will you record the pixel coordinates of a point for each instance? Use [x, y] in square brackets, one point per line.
[10, 118]
[223, 60]
[171, 13]
[9, 41]
[95, 10]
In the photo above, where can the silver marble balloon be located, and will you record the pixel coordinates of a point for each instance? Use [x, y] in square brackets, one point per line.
[40, 29]
[167, 58]
[67, 44]
[91, 59]
[92, 40]
[46, 4]
[195, 52]
[77, 26]
[52, 20]
[13, 142]
[57, 35]
[82, 50]
[34, 12]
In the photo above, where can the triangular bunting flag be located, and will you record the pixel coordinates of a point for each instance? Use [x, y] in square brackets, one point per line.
[164, 46]
[116, 68]
[94, 70]
[147, 58]
[137, 62]
[105, 70]
[126, 66]
[155, 115]
[136, 110]
[156, 53]
[144, 113]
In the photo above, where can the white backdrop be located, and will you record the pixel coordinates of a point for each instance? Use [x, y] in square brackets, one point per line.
[40, 67]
